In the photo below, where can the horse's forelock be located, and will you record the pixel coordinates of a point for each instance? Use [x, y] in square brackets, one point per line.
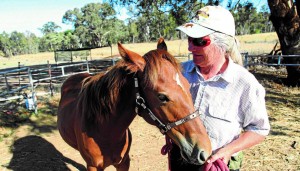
[154, 60]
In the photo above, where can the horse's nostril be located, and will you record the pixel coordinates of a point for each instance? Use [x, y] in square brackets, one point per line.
[202, 156]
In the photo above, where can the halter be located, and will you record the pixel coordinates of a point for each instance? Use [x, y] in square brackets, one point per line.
[164, 128]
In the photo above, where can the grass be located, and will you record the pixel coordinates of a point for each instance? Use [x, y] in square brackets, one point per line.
[14, 115]
[258, 43]
[254, 44]
[278, 151]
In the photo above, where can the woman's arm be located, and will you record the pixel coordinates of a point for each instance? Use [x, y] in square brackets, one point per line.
[246, 140]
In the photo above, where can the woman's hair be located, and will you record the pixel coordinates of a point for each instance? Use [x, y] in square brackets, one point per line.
[228, 44]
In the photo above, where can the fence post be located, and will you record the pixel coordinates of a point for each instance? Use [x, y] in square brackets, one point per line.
[19, 74]
[32, 91]
[87, 66]
[279, 60]
[71, 57]
[50, 77]
[246, 60]
[6, 82]
[189, 56]
[113, 61]
[90, 53]
[63, 70]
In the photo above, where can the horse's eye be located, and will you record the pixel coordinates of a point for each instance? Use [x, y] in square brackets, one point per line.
[163, 98]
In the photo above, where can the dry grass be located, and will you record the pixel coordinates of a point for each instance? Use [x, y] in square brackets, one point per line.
[280, 150]
[258, 43]
[254, 44]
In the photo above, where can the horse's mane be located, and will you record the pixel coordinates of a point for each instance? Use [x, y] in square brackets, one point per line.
[100, 93]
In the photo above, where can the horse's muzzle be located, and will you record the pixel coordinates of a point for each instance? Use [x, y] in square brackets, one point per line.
[196, 157]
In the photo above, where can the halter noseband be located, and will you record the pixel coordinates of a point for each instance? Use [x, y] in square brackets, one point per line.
[163, 127]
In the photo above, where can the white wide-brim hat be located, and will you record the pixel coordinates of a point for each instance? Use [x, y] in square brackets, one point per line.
[208, 20]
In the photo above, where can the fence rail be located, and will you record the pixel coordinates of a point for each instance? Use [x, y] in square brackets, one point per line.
[268, 60]
[15, 80]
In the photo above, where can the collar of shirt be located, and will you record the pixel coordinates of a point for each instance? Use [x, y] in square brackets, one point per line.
[227, 75]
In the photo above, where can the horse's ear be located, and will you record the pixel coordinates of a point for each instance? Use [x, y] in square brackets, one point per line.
[132, 57]
[161, 44]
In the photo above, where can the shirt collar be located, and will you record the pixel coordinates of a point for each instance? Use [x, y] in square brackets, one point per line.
[227, 75]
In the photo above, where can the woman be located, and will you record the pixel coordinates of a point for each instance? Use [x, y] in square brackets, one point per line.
[229, 98]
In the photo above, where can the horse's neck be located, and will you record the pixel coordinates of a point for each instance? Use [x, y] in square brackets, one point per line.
[122, 114]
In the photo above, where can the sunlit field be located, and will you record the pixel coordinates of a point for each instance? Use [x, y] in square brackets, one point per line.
[254, 44]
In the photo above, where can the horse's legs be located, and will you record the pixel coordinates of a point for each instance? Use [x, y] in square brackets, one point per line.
[124, 166]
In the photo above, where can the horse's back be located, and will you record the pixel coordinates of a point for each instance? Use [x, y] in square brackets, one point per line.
[67, 115]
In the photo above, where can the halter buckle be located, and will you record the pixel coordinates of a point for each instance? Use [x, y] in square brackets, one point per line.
[139, 100]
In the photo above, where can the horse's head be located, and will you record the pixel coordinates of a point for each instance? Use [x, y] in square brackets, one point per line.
[165, 101]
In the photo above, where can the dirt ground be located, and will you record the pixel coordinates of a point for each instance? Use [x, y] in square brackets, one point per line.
[47, 151]
[37, 145]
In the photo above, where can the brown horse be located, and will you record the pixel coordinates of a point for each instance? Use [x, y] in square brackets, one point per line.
[95, 111]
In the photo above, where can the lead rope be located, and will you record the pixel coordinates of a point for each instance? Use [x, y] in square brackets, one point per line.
[166, 149]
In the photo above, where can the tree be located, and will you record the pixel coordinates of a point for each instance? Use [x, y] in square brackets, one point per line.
[51, 42]
[285, 18]
[50, 27]
[70, 41]
[18, 43]
[180, 10]
[93, 23]
[32, 44]
[133, 32]
[5, 45]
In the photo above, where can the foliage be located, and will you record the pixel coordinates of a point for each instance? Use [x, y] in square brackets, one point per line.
[180, 10]
[96, 25]
[50, 27]
[18, 43]
[5, 44]
[249, 21]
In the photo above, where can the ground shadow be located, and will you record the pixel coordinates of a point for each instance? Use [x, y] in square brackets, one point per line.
[14, 115]
[35, 154]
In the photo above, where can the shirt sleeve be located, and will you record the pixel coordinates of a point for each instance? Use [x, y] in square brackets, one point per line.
[255, 114]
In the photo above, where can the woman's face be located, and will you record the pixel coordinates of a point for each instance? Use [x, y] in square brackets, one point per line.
[205, 52]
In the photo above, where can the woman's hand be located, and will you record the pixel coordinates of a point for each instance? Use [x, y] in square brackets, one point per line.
[222, 154]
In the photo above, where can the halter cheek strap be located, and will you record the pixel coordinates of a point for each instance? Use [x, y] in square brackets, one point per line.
[164, 128]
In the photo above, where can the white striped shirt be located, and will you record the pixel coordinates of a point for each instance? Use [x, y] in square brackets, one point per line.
[228, 102]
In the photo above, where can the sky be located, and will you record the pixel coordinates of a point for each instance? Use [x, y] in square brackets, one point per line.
[257, 3]
[30, 15]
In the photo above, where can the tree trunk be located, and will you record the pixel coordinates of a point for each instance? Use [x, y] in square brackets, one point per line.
[285, 19]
